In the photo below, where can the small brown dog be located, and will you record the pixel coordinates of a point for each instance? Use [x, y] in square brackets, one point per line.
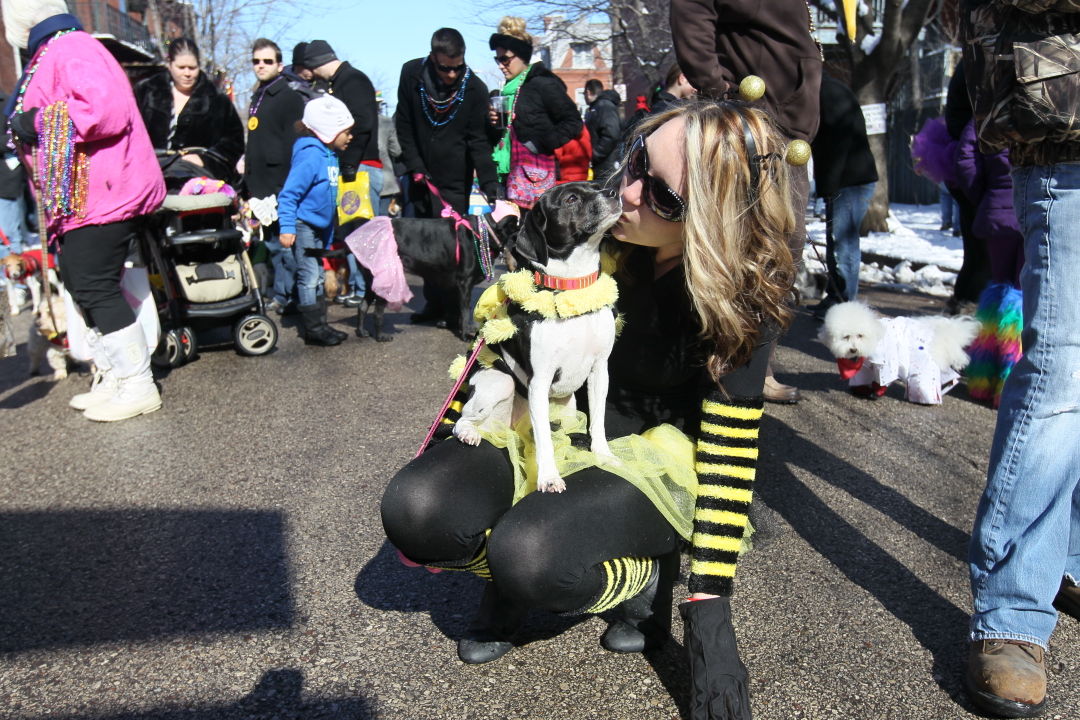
[26, 269]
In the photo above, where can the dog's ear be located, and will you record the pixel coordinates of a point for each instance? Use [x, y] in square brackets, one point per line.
[529, 245]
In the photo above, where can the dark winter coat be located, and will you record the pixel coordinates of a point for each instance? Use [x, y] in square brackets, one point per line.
[277, 107]
[307, 90]
[545, 118]
[842, 156]
[605, 131]
[450, 153]
[664, 101]
[719, 42]
[354, 89]
[986, 181]
[12, 181]
[209, 120]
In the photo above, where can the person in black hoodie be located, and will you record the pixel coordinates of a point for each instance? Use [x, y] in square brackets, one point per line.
[675, 90]
[845, 175]
[272, 116]
[605, 129]
[182, 109]
[353, 88]
[543, 117]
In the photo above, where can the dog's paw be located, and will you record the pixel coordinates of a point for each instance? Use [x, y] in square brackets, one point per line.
[466, 432]
[551, 483]
[362, 332]
[383, 338]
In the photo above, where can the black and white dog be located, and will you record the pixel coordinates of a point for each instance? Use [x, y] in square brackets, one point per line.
[552, 357]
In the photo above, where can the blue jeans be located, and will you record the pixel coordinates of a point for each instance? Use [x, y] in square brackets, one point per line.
[843, 215]
[1027, 529]
[281, 259]
[309, 271]
[13, 223]
[950, 211]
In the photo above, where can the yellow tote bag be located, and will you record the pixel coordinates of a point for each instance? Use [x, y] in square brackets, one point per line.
[354, 199]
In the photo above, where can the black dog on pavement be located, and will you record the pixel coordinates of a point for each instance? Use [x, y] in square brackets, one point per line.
[444, 256]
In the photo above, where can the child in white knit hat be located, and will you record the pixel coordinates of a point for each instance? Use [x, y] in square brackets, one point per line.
[307, 207]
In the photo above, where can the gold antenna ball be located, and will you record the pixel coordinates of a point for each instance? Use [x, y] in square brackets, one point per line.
[798, 152]
[751, 88]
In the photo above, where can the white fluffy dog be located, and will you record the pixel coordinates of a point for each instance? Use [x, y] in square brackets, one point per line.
[925, 354]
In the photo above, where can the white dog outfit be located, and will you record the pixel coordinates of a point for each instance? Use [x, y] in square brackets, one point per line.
[904, 354]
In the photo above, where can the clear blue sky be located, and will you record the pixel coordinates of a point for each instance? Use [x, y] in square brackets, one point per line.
[379, 36]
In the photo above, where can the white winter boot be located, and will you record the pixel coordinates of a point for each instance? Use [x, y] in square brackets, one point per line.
[104, 384]
[135, 392]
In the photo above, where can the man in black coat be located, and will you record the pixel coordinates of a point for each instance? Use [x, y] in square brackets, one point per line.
[605, 128]
[353, 88]
[845, 175]
[441, 122]
[275, 108]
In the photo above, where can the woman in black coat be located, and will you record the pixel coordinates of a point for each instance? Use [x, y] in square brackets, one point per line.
[544, 118]
[181, 109]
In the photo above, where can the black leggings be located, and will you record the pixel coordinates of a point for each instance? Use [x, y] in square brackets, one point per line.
[545, 552]
[91, 262]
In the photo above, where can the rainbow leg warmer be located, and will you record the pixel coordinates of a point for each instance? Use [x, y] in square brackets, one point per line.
[997, 346]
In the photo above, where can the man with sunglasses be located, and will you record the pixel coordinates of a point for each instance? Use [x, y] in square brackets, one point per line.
[442, 128]
[275, 107]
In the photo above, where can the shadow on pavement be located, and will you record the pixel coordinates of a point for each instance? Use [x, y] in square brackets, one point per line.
[450, 598]
[937, 624]
[89, 576]
[277, 696]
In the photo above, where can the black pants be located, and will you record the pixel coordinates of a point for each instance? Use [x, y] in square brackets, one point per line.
[974, 271]
[545, 552]
[91, 262]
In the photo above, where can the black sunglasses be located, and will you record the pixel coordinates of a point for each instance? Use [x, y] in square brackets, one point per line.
[263, 61]
[504, 59]
[451, 68]
[659, 197]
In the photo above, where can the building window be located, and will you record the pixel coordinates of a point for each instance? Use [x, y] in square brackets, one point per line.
[583, 55]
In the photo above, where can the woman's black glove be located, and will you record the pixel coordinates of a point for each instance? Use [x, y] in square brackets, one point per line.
[24, 127]
[718, 678]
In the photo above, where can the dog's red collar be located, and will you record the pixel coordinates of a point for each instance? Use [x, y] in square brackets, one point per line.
[559, 283]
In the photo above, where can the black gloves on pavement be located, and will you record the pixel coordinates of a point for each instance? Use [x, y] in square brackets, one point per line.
[718, 678]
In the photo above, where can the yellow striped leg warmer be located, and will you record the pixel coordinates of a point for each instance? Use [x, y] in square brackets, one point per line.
[478, 565]
[624, 578]
[727, 453]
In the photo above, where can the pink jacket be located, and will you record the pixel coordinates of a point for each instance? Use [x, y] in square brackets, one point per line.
[124, 177]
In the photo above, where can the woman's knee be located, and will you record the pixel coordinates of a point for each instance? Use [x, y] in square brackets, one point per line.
[413, 512]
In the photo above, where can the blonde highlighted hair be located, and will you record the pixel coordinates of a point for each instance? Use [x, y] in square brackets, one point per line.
[515, 28]
[738, 266]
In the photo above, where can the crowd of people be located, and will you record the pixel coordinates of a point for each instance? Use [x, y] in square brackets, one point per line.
[704, 256]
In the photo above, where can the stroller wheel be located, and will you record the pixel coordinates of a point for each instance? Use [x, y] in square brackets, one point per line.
[188, 347]
[255, 335]
[168, 353]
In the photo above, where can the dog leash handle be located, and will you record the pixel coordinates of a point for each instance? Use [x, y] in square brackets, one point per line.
[450, 398]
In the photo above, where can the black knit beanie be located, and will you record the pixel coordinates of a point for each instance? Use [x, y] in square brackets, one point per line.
[515, 45]
[318, 53]
[298, 54]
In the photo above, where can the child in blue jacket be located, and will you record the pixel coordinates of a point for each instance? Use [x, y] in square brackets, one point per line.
[307, 206]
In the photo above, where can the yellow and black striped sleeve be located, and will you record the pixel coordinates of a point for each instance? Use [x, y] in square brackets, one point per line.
[726, 463]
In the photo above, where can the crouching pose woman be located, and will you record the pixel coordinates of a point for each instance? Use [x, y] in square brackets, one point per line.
[74, 120]
[703, 273]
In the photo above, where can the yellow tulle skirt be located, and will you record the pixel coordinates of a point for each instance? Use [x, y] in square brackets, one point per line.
[659, 462]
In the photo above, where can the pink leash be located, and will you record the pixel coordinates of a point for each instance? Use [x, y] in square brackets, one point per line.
[450, 398]
[449, 212]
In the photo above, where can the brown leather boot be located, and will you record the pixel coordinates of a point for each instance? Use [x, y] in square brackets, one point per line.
[1007, 678]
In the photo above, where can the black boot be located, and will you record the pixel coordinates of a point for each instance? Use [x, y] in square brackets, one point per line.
[316, 331]
[340, 335]
[488, 638]
[644, 621]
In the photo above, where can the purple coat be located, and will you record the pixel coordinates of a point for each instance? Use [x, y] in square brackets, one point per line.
[986, 181]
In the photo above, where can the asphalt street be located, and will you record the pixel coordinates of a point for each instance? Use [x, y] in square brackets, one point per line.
[224, 557]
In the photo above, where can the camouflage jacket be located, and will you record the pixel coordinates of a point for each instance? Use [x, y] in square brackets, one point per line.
[1022, 61]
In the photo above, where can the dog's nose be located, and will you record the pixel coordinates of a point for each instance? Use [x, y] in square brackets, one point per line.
[610, 192]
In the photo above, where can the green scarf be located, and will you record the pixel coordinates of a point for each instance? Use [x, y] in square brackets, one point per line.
[501, 153]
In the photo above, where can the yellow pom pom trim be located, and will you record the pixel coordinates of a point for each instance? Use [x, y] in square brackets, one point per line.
[497, 330]
[457, 367]
[488, 303]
